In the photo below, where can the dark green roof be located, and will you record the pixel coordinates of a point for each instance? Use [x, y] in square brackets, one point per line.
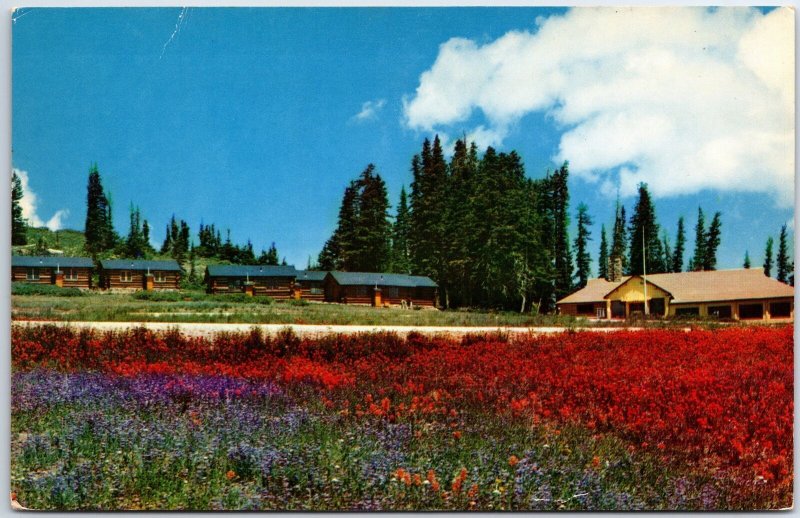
[249, 270]
[382, 279]
[32, 261]
[139, 264]
[311, 275]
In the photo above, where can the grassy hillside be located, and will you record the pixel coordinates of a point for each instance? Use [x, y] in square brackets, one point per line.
[70, 242]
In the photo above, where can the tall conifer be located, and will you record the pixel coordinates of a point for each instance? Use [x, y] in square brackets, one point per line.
[18, 226]
[782, 261]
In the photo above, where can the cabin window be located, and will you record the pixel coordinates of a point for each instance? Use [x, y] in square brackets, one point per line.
[780, 309]
[585, 309]
[316, 290]
[657, 306]
[125, 276]
[33, 274]
[160, 276]
[720, 311]
[71, 274]
[687, 312]
[751, 310]
[359, 291]
[235, 285]
[392, 292]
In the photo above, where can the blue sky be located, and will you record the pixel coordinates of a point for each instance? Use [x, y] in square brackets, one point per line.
[255, 119]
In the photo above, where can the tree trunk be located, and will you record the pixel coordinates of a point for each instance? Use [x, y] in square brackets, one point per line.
[522, 309]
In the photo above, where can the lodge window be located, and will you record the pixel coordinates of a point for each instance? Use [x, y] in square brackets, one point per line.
[687, 312]
[235, 285]
[160, 276]
[585, 309]
[316, 290]
[719, 311]
[33, 274]
[125, 276]
[751, 310]
[392, 292]
[359, 291]
[780, 309]
[71, 274]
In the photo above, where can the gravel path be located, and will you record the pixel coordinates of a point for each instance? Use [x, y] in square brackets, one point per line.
[206, 329]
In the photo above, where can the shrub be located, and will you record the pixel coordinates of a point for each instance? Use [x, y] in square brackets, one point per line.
[24, 288]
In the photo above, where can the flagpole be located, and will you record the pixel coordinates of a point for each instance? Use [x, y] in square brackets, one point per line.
[644, 269]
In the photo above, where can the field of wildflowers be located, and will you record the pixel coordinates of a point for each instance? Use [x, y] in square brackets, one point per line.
[654, 419]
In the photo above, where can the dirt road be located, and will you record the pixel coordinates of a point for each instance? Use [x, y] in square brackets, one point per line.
[205, 329]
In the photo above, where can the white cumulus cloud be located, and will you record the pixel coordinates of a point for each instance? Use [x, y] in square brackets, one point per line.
[683, 98]
[29, 202]
[369, 110]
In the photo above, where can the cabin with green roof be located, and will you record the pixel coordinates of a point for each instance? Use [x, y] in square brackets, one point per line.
[252, 279]
[380, 289]
[139, 274]
[66, 272]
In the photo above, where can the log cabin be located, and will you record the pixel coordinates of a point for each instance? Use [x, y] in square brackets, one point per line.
[310, 285]
[272, 281]
[139, 274]
[66, 272]
[380, 289]
[742, 294]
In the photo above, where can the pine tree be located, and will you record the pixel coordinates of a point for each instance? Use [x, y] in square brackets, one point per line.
[680, 244]
[99, 231]
[41, 247]
[337, 252]
[746, 260]
[700, 239]
[561, 251]
[644, 232]
[619, 243]
[18, 224]
[401, 259]
[712, 243]
[270, 257]
[583, 261]
[782, 261]
[768, 258]
[134, 245]
[370, 251]
[667, 251]
[602, 260]
[146, 238]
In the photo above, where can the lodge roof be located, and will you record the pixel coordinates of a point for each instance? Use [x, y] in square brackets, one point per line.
[250, 270]
[311, 275]
[695, 287]
[382, 279]
[139, 265]
[33, 261]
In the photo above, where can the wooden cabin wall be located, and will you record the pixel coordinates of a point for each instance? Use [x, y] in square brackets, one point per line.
[84, 280]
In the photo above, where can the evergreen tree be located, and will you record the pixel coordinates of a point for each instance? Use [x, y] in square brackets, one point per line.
[768, 258]
[782, 261]
[700, 239]
[712, 243]
[746, 259]
[18, 224]
[583, 261]
[680, 243]
[372, 233]
[99, 231]
[401, 258]
[336, 254]
[270, 257]
[134, 244]
[428, 204]
[148, 248]
[644, 232]
[559, 198]
[602, 261]
[667, 251]
[619, 242]
[41, 247]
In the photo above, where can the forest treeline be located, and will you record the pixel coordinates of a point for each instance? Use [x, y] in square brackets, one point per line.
[490, 235]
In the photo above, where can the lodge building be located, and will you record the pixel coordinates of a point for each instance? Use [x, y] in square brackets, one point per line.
[310, 285]
[67, 272]
[743, 294]
[139, 274]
